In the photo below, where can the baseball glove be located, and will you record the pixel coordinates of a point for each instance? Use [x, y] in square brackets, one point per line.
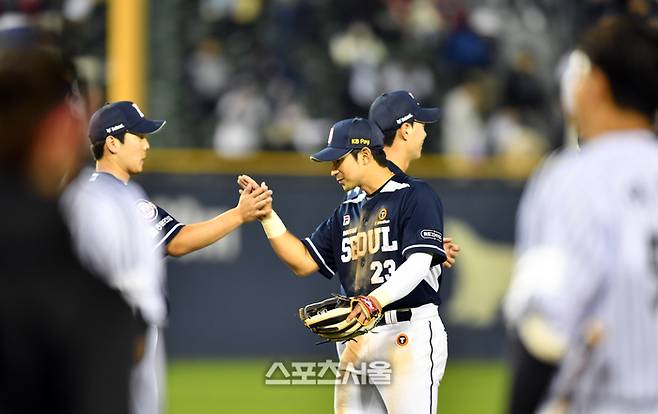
[328, 318]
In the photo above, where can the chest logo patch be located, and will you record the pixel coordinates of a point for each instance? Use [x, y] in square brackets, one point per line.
[383, 213]
[346, 220]
[402, 340]
[431, 235]
[147, 209]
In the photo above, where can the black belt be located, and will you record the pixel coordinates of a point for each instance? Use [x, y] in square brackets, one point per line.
[403, 315]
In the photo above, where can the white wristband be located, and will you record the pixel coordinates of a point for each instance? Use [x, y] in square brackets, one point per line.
[273, 225]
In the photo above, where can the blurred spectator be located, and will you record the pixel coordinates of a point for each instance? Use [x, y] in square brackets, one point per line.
[243, 112]
[67, 341]
[360, 50]
[424, 22]
[215, 9]
[508, 136]
[407, 75]
[512, 128]
[462, 128]
[522, 87]
[78, 10]
[209, 73]
[293, 129]
[464, 48]
[240, 11]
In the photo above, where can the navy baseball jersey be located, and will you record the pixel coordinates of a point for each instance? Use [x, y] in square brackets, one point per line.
[367, 238]
[396, 170]
[163, 227]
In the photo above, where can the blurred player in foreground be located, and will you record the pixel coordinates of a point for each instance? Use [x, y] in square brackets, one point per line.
[67, 340]
[122, 235]
[584, 298]
[382, 245]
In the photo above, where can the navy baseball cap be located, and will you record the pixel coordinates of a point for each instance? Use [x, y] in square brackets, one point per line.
[119, 117]
[347, 135]
[392, 109]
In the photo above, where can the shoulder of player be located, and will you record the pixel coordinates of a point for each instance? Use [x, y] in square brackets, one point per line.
[90, 186]
[102, 178]
[416, 185]
[411, 188]
[565, 173]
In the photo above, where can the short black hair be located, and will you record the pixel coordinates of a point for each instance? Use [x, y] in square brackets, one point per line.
[625, 48]
[389, 136]
[98, 147]
[378, 155]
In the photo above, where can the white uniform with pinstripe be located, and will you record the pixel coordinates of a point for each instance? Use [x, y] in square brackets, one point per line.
[588, 251]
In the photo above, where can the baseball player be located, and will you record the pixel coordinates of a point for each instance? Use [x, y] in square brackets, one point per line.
[583, 303]
[382, 245]
[394, 113]
[125, 243]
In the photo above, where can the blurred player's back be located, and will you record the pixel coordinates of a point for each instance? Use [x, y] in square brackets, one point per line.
[610, 190]
[584, 297]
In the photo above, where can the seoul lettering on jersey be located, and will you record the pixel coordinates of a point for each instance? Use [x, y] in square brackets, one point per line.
[367, 238]
[367, 242]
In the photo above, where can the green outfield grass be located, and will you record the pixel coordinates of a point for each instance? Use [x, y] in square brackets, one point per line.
[237, 387]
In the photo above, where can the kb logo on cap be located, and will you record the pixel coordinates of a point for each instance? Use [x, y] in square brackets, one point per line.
[360, 141]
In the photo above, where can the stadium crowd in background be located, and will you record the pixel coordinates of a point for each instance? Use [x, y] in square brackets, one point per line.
[249, 75]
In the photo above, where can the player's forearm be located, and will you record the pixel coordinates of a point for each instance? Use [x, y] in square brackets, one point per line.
[288, 247]
[404, 279]
[196, 236]
[293, 253]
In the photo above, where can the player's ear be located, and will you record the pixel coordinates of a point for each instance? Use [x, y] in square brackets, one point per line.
[405, 130]
[111, 143]
[365, 155]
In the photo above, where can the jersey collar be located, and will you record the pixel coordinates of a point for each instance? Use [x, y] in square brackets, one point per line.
[390, 186]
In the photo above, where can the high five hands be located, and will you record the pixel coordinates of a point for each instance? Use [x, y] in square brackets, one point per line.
[248, 185]
[255, 200]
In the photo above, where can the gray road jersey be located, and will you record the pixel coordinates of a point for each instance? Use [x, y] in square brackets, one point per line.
[114, 242]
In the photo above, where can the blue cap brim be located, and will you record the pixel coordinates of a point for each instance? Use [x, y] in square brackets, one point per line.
[427, 115]
[330, 154]
[147, 126]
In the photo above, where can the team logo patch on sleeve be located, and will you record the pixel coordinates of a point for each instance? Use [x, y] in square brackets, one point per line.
[431, 235]
[147, 209]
